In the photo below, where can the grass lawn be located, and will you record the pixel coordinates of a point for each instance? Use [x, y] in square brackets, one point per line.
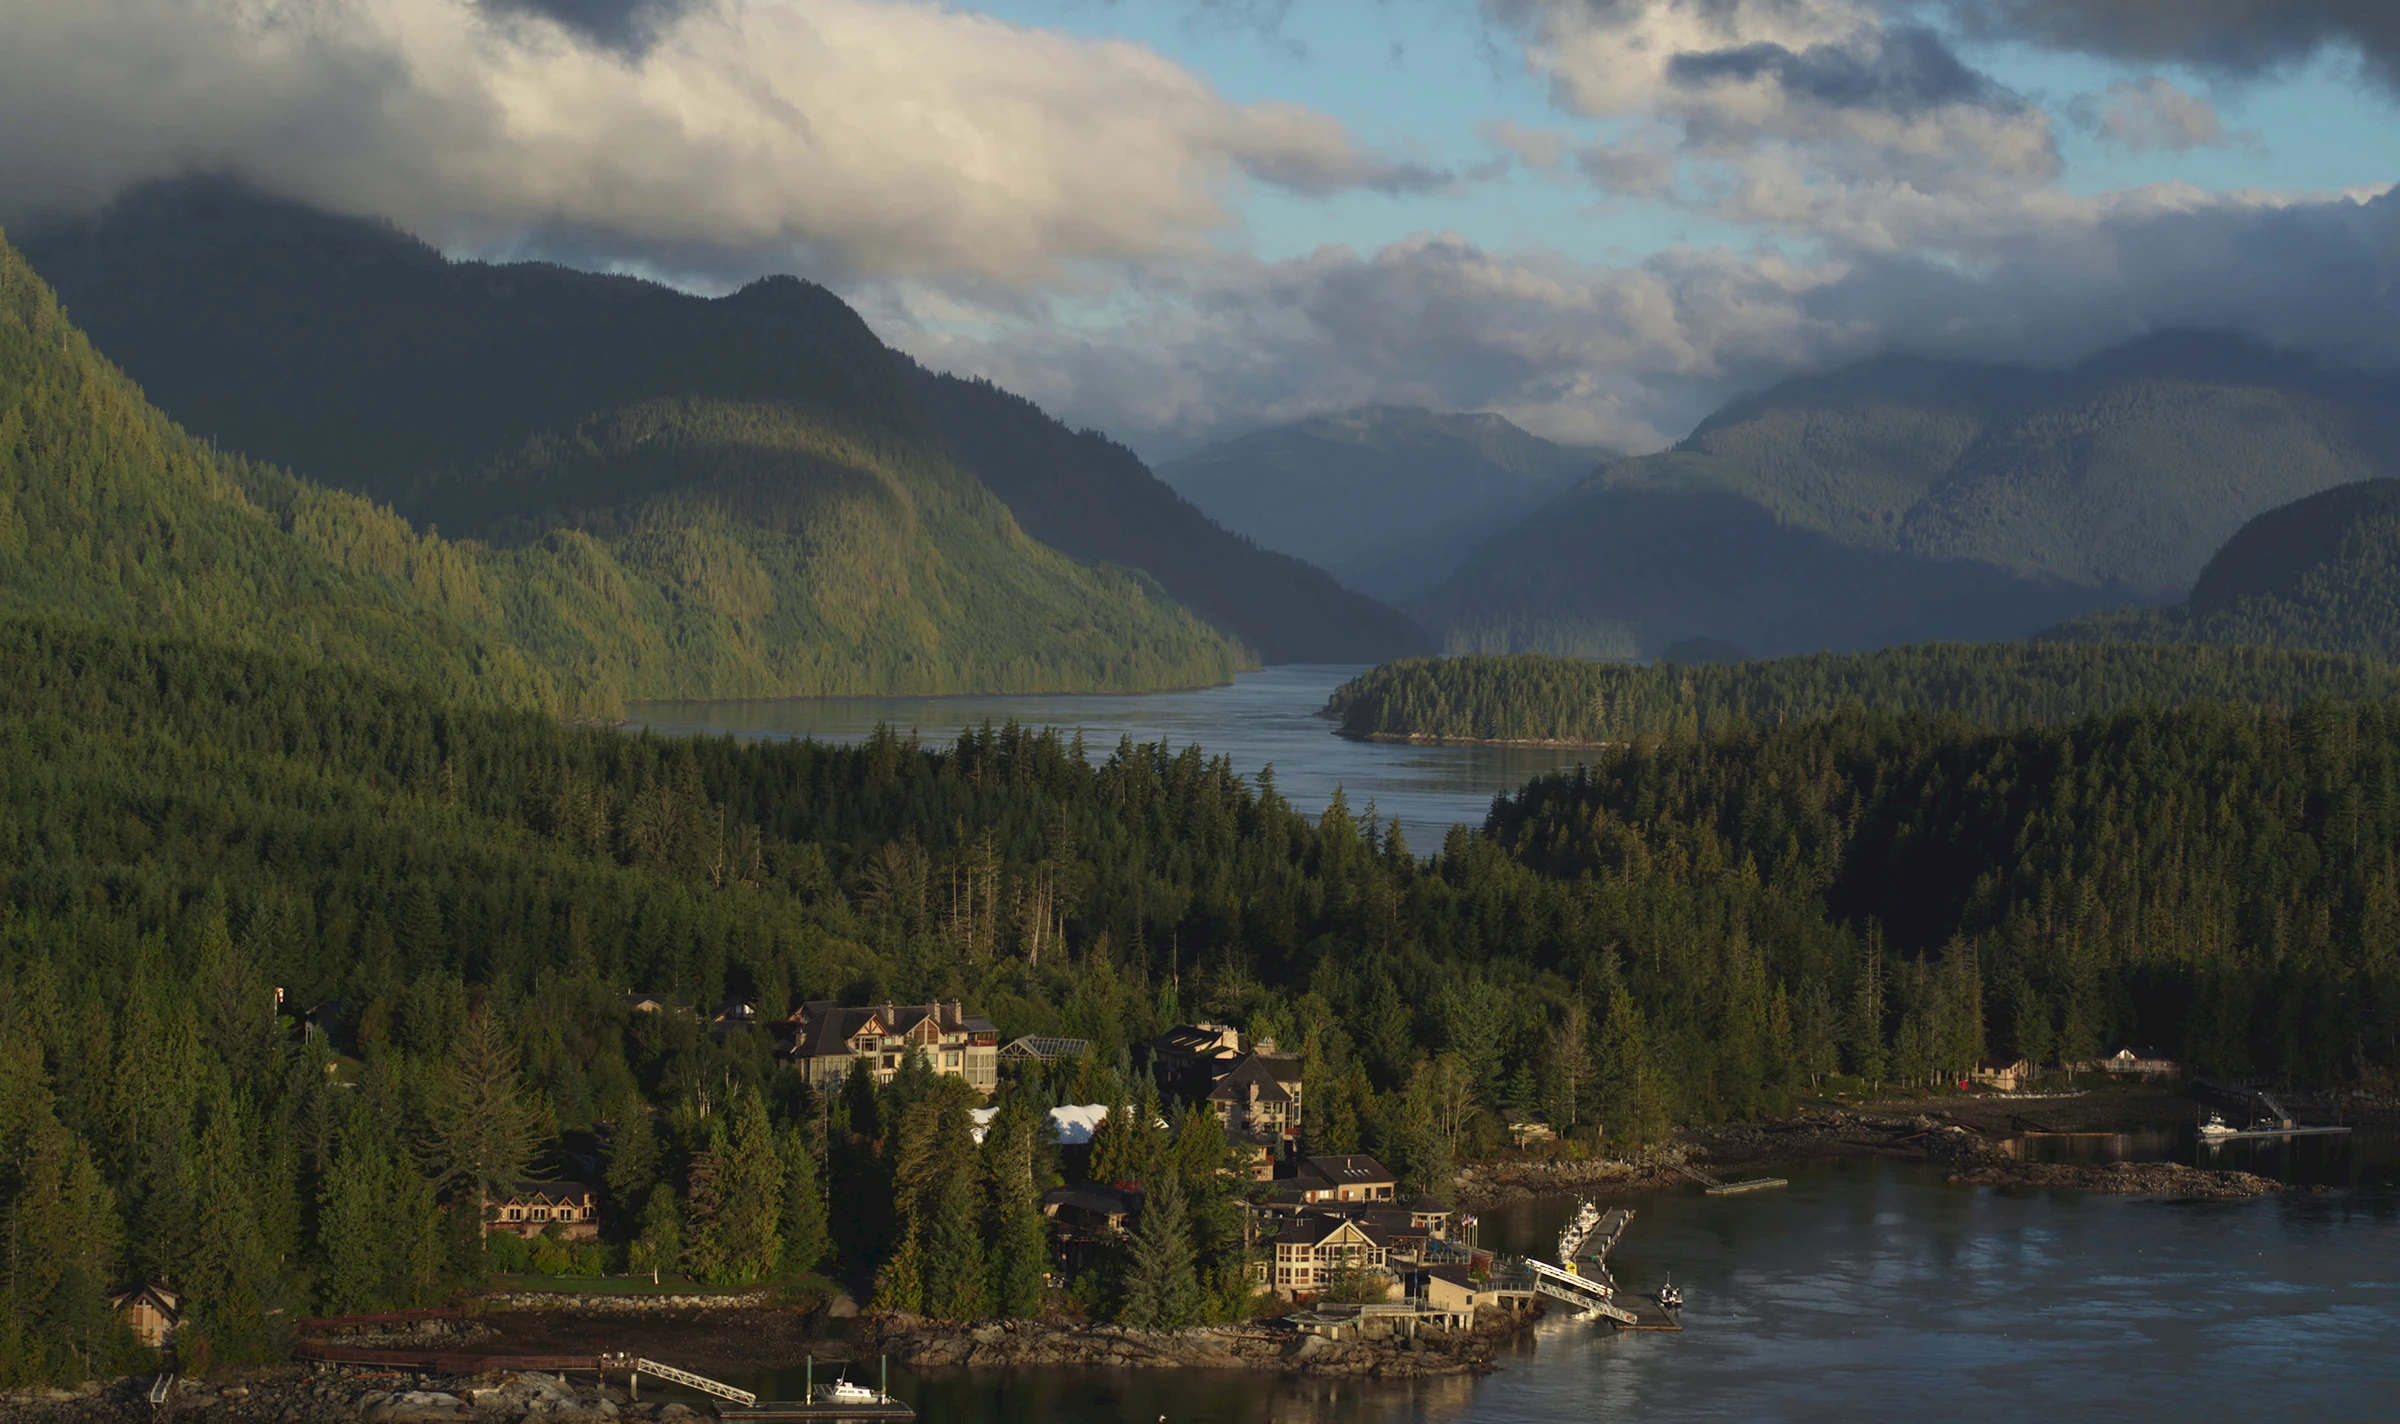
[668, 1284]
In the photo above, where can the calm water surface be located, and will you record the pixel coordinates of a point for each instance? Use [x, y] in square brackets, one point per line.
[1874, 1291]
[1262, 718]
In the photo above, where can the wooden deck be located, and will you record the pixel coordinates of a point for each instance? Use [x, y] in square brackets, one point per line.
[794, 1409]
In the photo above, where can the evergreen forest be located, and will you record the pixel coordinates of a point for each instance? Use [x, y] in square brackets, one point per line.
[454, 900]
[1530, 697]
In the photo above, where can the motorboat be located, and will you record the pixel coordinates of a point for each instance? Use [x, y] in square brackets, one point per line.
[2216, 1127]
[844, 1392]
[1670, 1298]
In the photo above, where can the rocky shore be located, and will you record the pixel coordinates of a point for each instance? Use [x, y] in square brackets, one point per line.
[1264, 1346]
[2163, 1179]
[1488, 1183]
[334, 1394]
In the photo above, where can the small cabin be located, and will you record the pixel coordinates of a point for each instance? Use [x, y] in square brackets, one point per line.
[2004, 1075]
[530, 1208]
[152, 1311]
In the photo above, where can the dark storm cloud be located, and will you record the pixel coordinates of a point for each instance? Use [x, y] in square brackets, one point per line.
[626, 26]
[2235, 37]
[1909, 72]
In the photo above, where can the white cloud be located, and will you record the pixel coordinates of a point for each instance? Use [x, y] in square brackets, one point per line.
[869, 137]
[2152, 114]
[1634, 355]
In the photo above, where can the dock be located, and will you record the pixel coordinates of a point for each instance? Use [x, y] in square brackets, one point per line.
[2209, 1137]
[1648, 1314]
[1715, 1188]
[891, 1409]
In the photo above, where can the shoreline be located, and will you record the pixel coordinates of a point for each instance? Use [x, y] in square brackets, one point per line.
[1428, 739]
[1260, 1346]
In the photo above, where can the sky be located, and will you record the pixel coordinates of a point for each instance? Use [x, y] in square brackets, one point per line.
[1177, 220]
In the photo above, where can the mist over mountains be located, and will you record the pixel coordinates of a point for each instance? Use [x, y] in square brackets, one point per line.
[1909, 499]
[1389, 498]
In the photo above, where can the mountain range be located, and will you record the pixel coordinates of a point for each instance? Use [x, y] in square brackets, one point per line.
[1907, 499]
[2321, 573]
[747, 495]
[1389, 498]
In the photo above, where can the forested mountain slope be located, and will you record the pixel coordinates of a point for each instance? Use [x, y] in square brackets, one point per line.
[1390, 498]
[692, 497]
[1907, 499]
[1084, 494]
[2321, 572]
[109, 513]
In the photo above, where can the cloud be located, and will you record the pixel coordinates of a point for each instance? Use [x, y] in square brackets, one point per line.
[2152, 114]
[1633, 355]
[1815, 95]
[866, 138]
[629, 26]
[2234, 37]
[1907, 70]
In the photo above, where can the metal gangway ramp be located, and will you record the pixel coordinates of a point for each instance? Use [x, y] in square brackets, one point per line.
[689, 1380]
[1588, 1294]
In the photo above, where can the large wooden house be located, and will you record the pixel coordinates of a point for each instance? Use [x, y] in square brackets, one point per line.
[1316, 1249]
[827, 1038]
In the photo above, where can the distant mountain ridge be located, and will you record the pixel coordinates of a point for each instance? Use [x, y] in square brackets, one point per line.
[1084, 494]
[1908, 499]
[2321, 573]
[750, 484]
[1389, 498]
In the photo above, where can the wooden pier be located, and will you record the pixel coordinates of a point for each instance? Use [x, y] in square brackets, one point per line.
[1715, 1188]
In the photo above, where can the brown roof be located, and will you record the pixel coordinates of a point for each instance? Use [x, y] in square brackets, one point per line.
[826, 1028]
[1235, 1086]
[1351, 1169]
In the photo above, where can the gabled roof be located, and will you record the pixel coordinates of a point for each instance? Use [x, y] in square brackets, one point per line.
[1350, 1169]
[169, 1301]
[1092, 1197]
[1253, 1070]
[826, 1028]
[1315, 1229]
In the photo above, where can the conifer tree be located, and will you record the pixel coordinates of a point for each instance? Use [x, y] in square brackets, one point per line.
[231, 1286]
[750, 1185]
[1161, 1279]
[483, 1128]
[1020, 1253]
[633, 1160]
[354, 1210]
[705, 1254]
[806, 1240]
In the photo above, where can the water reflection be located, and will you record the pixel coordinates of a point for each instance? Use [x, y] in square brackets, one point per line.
[1875, 1291]
[1261, 718]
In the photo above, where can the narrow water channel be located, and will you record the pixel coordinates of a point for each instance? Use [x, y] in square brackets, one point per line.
[1261, 719]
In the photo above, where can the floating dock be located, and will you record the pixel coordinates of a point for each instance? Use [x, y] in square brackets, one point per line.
[1715, 1188]
[890, 1409]
[1648, 1314]
[2207, 1137]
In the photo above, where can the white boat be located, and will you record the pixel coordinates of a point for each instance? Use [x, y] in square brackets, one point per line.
[844, 1392]
[2215, 1127]
[1670, 1298]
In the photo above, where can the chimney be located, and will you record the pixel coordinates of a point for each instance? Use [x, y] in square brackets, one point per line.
[1265, 1045]
[957, 1014]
